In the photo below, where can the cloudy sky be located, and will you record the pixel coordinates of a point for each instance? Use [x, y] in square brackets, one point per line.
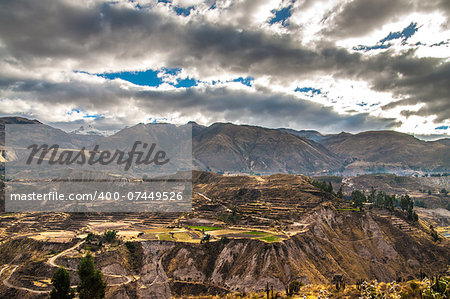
[304, 64]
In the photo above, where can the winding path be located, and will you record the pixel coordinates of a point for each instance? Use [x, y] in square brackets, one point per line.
[52, 262]
[209, 199]
[10, 285]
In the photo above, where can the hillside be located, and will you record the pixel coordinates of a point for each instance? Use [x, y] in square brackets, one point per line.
[14, 120]
[310, 134]
[264, 230]
[378, 151]
[233, 148]
[229, 148]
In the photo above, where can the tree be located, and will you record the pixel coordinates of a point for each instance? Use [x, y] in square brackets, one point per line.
[371, 197]
[358, 198]
[329, 188]
[61, 285]
[434, 233]
[92, 285]
[338, 280]
[294, 287]
[110, 235]
[340, 193]
[380, 199]
[405, 202]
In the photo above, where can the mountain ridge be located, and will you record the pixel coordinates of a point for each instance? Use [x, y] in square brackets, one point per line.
[231, 148]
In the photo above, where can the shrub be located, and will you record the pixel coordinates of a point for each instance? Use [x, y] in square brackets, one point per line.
[92, 284]
[61, 285]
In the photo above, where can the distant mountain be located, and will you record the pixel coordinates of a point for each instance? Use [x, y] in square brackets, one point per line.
[225, 147]
[233, 148]
[445, 141]
[90, 130]
[310, 134]
[381, 151]
[13, 120]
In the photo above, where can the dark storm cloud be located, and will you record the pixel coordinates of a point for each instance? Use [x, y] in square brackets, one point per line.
[128, 34]
[257, 108]
[413, 80]
[359, 17]
[37, 34]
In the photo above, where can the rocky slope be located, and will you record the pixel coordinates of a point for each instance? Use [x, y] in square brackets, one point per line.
[232, 148]
[225, 147]
[359, 246]
[321, 237]
[380, 151]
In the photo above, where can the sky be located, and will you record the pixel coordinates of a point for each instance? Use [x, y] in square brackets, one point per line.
[330, 66]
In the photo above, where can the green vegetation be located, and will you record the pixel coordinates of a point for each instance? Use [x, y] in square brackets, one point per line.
[294, 287]
[350, 209]
[136, 252]
[340, 194]
[358, 199]
[95, 242]
[110, 236]
[166, 237]
[231, 218]
[204, 228]
[61, 285]
[436, 287]
[407, 204]
[92, 284]
[434, 233]
[385, 201]
[270, 239]
[324, 186]
[440, 288]
[255, 233]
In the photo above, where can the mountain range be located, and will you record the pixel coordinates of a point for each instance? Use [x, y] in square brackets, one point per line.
[230, 148]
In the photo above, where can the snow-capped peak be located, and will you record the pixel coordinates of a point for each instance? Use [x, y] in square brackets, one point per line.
[90, 130]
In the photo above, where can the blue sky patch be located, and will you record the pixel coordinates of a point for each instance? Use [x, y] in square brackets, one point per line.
[186, 82]
[314, 91]
[152, 77]
[442, 128]
[183, 11]
[404, 34]
[281, 16]
[246, 81]
[146, 78]
[94, 116]
[171, 71]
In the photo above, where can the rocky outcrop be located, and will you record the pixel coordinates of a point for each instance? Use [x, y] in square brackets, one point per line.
[356, 245]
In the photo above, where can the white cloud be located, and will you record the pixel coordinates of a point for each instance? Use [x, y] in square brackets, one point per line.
[48, 63]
